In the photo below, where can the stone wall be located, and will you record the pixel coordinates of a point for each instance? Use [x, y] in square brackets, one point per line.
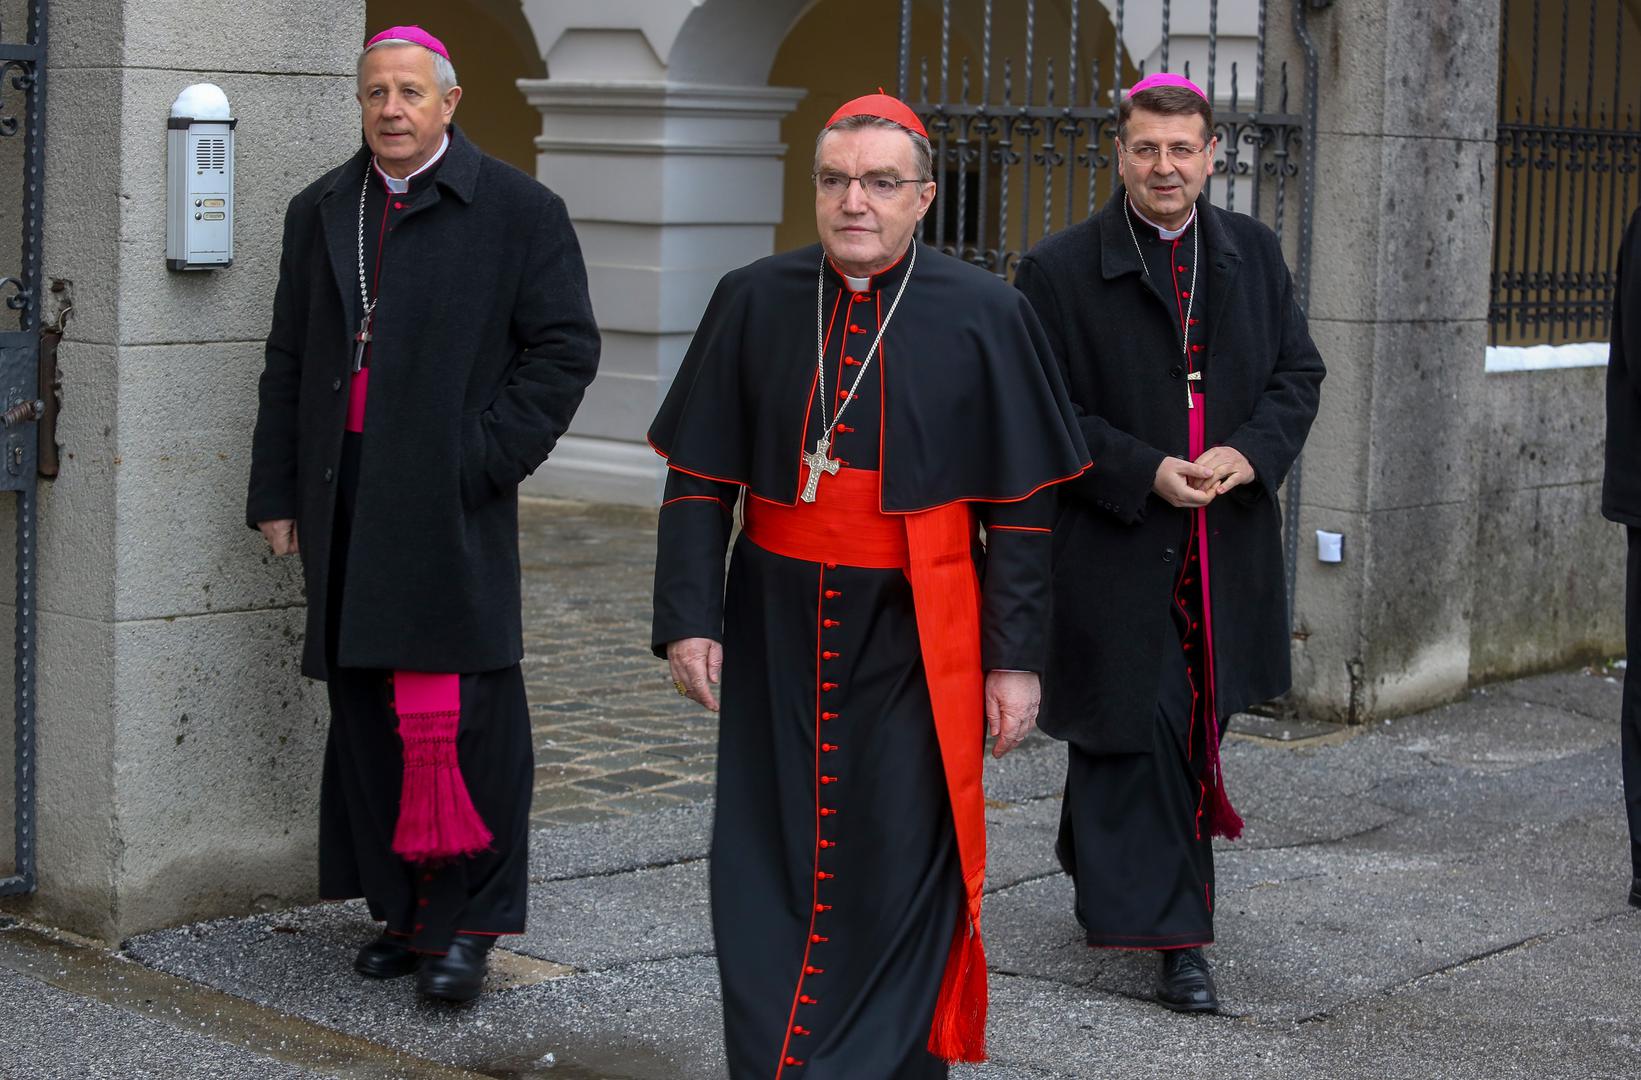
[1549, 570]
[179, 750]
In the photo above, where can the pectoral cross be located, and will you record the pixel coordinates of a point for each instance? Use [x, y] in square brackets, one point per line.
[818, 462]
[362, 342]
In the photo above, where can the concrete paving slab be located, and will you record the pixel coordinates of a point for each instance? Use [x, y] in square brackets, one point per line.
[600, 922]
[655, 839]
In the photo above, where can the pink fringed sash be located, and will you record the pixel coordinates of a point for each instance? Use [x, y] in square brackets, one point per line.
[437, 819]
[1223, 820]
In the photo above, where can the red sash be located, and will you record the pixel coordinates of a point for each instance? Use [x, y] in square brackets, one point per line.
[934, 548]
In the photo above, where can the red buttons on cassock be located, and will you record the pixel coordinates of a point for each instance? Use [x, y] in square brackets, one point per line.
[807, 1000]
[822, 875]
[398, 206]
[829, 686]
[1184, 294]
[828, 844]
[827, 812]
[829, 779]
[1181, 269]
[846, 429]
[793, 1061]
[823, 907]
[818, 940]
[832, 594]
[827, 748]
[853, 329]
[829, 655]
[829, 716]
[831, 566]
[829, 623]
[811, 970]
[799, 1029]
[863, 297]
[1196, 348]
[850, 361]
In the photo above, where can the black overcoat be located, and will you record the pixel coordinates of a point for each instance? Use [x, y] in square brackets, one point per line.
[1116, 544]
[484, 344]
[1621, 487]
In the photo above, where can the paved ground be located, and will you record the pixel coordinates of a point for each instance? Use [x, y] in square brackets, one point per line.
[1438, 897]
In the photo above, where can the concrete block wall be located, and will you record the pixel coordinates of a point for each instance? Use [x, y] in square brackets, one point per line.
[1549, 570]
[179, 749]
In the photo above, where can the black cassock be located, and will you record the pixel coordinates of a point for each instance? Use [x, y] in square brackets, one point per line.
[835, 878]
[1166, 621]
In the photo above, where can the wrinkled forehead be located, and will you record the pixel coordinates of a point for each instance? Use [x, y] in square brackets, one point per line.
[397, 62]
[870, 149]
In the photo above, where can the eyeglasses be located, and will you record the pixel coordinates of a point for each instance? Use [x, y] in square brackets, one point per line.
[878, 185]
[1150, 153]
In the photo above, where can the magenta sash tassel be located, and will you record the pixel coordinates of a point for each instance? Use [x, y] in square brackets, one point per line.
[437, 819]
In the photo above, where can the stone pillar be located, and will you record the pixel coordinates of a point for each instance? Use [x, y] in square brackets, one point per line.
[179, 749]
[672, 179]
[1402, 257]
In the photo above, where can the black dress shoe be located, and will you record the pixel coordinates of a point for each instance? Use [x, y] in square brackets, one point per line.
[385, 958]
[1635, 891]
[458, 975]
[1185, 983]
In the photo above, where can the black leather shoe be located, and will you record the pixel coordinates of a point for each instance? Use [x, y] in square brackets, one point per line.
[1185, 983]
[385, 958]
[458, 975]
[1635, 891]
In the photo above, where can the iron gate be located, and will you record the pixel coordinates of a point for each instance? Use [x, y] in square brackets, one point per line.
[22, 113]
[1028, 145]
[1568, 152]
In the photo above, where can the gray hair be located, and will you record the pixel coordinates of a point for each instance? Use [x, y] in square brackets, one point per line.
[443, 69]
[920, 145]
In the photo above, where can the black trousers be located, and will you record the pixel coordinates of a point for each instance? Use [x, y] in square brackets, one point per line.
[364, 770]
[1630, 737]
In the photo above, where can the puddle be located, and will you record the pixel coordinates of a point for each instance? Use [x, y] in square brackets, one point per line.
[570, 1061]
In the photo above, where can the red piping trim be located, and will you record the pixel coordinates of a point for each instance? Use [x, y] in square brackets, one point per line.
[1018, 528]
[815, 904]
[692, 498]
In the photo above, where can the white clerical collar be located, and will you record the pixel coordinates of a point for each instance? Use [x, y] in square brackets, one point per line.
[1166, 234]
[857, 284]
[399, 187]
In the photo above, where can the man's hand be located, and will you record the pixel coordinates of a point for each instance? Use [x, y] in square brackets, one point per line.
[281, 536]
[1230, 469]
[696, 664]
[1012, 698]
[1176, 479]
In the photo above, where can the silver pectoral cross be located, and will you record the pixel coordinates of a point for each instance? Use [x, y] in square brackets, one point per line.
[361, 343]
[818, 463]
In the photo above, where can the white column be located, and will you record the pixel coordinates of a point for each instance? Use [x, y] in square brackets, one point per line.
[669, 185]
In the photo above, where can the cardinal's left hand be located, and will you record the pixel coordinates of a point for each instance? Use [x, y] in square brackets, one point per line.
[1012, 698]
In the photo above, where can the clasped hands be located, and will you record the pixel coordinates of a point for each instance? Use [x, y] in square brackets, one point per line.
[1196, 483]
[1012, 697]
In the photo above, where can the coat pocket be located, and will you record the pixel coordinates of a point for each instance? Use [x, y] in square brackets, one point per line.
[476, 486]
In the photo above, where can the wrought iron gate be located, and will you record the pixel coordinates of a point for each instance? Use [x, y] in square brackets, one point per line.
[22, 113]
[1027, 145]
[1568, 152]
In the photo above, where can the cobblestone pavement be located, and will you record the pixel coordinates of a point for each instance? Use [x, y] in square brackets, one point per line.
[612, 737]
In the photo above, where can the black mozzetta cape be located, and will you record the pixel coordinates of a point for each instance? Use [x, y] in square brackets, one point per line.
[974, 407]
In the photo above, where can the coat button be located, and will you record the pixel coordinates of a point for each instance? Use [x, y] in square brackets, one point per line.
[336, 384]
[1167, 554]
[328, 474]
[1175, 372]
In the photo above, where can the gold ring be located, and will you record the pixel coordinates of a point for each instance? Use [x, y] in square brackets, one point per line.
[683, 691]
